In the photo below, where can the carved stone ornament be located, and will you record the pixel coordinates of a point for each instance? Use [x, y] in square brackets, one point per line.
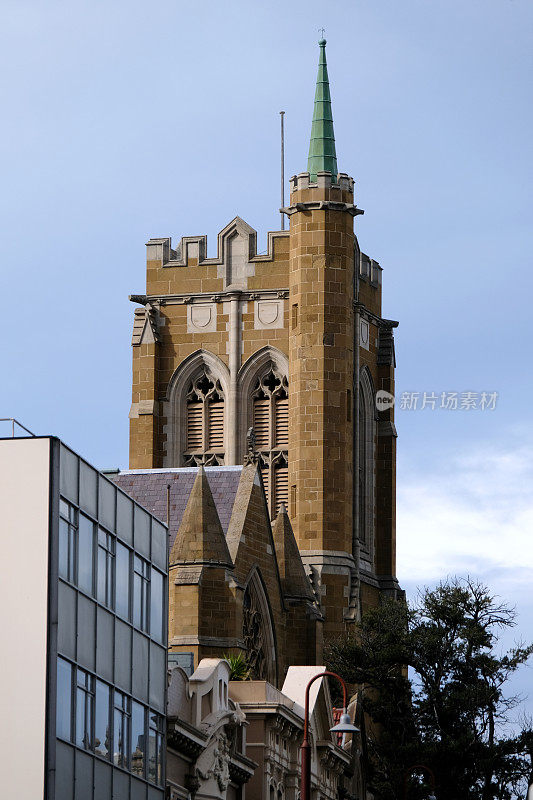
[213, 765]
[201, 315]
[271, 384]
[364, 334]
[250, 457]
[267, 311]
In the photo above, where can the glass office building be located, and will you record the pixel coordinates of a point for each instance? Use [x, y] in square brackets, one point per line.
[86, 676]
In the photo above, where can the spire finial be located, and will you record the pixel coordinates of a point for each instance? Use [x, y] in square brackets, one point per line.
[322, 155]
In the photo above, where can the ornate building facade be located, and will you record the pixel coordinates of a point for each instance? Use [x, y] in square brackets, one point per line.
[272, 361]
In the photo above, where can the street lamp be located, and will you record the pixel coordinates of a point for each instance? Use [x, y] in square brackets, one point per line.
[345, 725]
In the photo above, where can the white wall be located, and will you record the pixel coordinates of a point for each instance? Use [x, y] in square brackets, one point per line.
[24, 501]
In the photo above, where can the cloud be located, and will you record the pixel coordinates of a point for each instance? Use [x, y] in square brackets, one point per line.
[468, 515]
[473, 516]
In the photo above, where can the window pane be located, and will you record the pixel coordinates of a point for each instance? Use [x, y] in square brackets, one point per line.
[64, 699]
[121, 722]
[123, 581]
[137, 597]
[137, 739]
[104, 583]
[85, 554]
[63, 549]
[155, 749]
[101, 720]
[101, 576]
[156, 606]
[84, 709]
[80, 717]
[140, 592]
[124, 517]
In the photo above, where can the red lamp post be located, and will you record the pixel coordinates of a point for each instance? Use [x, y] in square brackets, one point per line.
[345, 726]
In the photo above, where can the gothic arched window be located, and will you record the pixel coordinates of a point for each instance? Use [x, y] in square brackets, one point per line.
[204, 440]
[257, 632]
[271, 429]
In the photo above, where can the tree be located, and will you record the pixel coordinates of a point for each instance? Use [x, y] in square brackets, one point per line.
[450, 711]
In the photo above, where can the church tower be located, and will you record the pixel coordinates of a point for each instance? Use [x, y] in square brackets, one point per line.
[292, 346]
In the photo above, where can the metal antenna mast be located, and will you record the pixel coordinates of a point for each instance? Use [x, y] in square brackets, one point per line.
[282, 114]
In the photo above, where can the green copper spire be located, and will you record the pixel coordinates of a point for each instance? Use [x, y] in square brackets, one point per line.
[322, 155]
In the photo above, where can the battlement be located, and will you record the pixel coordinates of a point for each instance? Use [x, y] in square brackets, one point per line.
[369, 270]
[328, 193]
[192, 250]
[325, 180]
[237, 266]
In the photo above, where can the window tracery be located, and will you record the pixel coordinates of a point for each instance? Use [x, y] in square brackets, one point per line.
[257, 632]
[205, 418]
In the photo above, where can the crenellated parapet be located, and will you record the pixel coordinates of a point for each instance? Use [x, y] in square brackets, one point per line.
[328, 193]
[237, 242]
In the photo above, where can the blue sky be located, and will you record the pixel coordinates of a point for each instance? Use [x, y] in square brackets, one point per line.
[126, 120]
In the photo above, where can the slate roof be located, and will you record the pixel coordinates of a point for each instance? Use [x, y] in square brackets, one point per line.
[201, 539]
[149, 488]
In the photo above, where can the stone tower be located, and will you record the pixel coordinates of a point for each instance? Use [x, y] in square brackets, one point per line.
[291, 344]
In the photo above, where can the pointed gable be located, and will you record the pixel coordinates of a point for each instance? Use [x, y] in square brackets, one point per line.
[294, 581]
[200, 538]
[144, 327]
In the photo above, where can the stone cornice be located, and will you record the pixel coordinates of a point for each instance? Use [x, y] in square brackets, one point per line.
[241, 768]
[322, 205]
[209, 297]
[184, 737]
[269, 709]
[372, 317]
[207, 641]
[328, 557]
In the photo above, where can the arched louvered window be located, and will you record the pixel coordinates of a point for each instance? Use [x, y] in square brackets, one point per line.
[271, 430]
[204, 421]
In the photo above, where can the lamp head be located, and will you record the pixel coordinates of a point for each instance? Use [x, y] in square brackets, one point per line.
[345, 725]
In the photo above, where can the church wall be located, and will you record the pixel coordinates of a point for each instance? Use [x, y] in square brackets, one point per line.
[303, 634]
[256, 551]
[321, 368]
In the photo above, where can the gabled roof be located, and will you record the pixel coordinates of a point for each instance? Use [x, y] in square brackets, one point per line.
[201, 539]
[294, 581]
[149, 488]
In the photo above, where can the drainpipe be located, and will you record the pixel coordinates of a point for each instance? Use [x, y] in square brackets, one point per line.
[356, 432]
[234, 365]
